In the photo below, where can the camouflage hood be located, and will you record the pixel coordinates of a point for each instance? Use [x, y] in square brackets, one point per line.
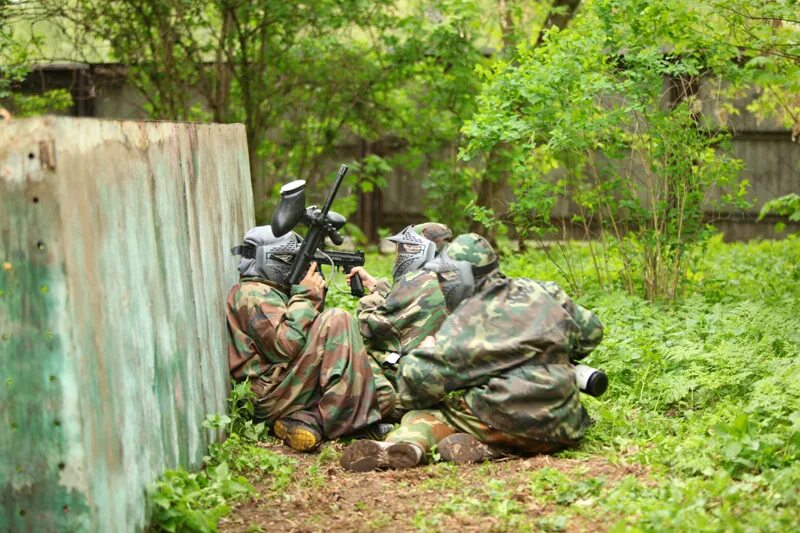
[476, 251]
[437, 233]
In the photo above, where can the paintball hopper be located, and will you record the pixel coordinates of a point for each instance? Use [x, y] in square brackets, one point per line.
[590, 380]
[291, 209]
[321, 223]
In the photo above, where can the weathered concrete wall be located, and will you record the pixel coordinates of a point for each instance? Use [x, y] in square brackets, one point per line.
[114, 267]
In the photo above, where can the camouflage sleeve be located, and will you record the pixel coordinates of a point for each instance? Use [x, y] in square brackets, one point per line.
[280, 329]
[370, 319]
[422, 378]
[591, 330]
[413, 310]
[427, 374]
[375, 298]
[383, 287]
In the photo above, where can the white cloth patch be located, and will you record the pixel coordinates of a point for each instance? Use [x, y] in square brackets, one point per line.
[392, 358]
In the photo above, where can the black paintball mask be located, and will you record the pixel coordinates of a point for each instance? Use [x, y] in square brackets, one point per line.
[455, 279]
[263, 255]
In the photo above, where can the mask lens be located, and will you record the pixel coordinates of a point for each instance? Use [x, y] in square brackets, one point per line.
[283, 258]
[410, 249]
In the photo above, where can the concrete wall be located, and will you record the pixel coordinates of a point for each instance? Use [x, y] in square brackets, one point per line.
[114, 267]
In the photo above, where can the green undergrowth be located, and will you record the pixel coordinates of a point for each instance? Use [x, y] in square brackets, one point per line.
[196, 501]
[705, 393]
[704, 399]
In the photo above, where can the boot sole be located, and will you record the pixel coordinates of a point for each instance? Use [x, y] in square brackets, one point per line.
[364, 456]
[280, 430]
[463, 448]
[298, 438]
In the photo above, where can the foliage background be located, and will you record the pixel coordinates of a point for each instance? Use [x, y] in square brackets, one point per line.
[507, 110]
[511, 109]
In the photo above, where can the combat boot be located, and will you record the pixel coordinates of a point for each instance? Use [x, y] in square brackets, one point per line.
[376, 431]
[366, 455]
[297, 435]
[464, 448]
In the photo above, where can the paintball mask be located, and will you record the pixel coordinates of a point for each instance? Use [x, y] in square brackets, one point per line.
[413, 251]
[455, 279]
[266, 256]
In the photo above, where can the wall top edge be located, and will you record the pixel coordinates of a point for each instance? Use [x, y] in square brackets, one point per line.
[48, 120]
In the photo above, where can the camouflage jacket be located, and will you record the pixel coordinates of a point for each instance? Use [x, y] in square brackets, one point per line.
[375, 298]
[400, 320]
[267, 328]
[507, 351]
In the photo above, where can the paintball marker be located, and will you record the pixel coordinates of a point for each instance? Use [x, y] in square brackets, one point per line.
[590, 380]
[321, 223]
[345, 261]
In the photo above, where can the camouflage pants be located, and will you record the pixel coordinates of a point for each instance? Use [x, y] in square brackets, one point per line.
[385, 389]
[329, 386]
[389, 372]
[426, 427]
[386, 382]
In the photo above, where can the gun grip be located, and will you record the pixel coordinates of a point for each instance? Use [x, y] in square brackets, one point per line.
[356, 287]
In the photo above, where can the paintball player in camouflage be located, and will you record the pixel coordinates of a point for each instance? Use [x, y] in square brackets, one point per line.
[394, 319]
[309, 369]
[496, 377]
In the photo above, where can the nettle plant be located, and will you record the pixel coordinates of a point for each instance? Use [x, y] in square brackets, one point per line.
[618, 120]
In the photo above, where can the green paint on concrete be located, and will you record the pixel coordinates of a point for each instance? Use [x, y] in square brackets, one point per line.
[111, 317]
[32, 437]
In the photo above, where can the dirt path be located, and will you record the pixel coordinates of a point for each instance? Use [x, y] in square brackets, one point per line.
[496, 496]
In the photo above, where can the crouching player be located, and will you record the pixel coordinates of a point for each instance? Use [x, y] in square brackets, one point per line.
[395, 318]
[309, 370]
[496, 378]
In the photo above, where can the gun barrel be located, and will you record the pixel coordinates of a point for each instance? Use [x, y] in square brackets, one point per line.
[334, 190]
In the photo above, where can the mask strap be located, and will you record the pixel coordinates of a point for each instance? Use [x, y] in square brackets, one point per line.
[479, 271]
[248, 251]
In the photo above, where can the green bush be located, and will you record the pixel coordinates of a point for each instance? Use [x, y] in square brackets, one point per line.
[787, 206]
[622, 118]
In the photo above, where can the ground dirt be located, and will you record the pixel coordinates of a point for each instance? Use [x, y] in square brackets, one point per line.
[493, 496]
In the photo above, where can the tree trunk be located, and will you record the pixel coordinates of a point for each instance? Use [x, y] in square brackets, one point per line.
[558, 19]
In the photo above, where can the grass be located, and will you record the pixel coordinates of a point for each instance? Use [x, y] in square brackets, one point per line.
[196, 501]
